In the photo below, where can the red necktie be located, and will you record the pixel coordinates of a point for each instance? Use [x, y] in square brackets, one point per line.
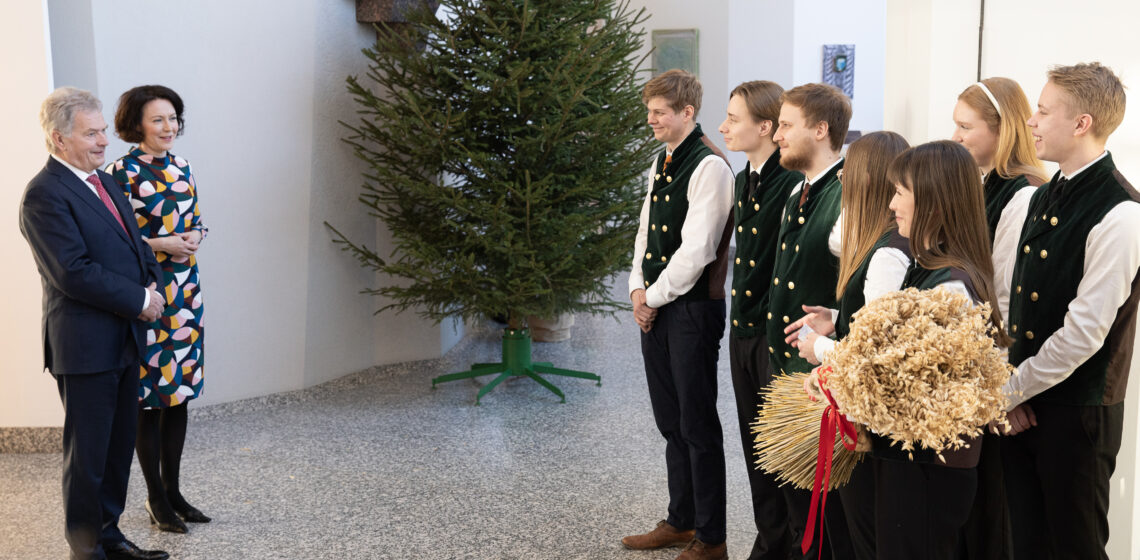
[106, 198]
[804, 193]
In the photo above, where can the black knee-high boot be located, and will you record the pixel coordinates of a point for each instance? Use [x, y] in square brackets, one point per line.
[148, 448]
[174, 420]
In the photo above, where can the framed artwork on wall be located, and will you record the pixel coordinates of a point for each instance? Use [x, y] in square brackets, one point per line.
[675, 48]
[839, 68]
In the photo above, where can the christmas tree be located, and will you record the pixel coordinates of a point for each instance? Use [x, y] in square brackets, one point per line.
[506, 150]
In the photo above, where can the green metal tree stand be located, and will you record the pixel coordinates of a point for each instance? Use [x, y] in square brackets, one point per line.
[516, 362]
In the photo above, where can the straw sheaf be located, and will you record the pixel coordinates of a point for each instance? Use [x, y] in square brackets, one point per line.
[787, 436]
[921, 368]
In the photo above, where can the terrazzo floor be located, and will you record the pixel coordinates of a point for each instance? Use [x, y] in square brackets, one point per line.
[377, 465]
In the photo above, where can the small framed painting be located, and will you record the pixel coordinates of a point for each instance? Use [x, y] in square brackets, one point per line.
[675, 48]
[839, 68]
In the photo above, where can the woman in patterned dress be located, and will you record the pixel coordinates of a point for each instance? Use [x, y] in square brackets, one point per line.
[165, 200]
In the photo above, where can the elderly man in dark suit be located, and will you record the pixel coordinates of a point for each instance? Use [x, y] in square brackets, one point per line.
[98, 292]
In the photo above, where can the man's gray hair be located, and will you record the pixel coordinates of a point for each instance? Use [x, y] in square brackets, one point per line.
[59, 109]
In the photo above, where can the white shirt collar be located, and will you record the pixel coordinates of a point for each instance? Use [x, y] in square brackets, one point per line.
[78, 172]
[1087, 165]
[824, 172]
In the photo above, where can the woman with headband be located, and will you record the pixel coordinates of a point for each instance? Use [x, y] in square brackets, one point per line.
[989, 121]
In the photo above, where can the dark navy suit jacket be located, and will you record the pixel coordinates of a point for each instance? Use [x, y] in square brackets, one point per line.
[94, 274]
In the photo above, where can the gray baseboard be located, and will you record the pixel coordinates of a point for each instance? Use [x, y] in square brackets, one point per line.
[31, 440]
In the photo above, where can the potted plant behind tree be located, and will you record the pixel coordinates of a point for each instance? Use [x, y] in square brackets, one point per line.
[506, 151]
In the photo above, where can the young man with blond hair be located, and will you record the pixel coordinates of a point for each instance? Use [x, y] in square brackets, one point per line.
[1071, 267]
[677, 288]
[761, 190]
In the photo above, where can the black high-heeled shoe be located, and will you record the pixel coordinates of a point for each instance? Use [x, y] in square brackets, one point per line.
[190, 514]
[173, 525]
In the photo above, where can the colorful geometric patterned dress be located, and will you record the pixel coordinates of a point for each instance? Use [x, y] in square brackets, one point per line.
[165, 199]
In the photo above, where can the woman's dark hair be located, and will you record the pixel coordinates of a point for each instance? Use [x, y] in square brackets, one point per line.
[128, 116]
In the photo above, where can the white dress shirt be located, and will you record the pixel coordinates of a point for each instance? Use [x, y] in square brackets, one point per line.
[710, 195]
[1112, 256]
[885, 274]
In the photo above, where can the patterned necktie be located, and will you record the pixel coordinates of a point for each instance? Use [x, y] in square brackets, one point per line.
[804, 193]
[106, 198]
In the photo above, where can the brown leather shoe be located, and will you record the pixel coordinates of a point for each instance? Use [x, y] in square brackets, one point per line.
[662, 536]
[700, 550]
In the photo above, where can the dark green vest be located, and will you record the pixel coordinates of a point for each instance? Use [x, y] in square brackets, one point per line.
[853, 298]
[999, 190]
[757, 221]
[668, 206]
[967, 457]
[1049, 267]
[805, 271]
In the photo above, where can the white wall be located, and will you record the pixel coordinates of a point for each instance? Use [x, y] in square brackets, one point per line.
[933, 57]
[861, 23]
[711, 21]
[264, 89]
[28, 396]
[743, 40]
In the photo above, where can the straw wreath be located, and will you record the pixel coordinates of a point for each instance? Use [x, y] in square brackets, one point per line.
[787, 436]
[921, 368]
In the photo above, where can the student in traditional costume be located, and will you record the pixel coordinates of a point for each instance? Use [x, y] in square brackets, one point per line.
[873, 262]
[762, 187]
[990, 122]
[922, 503]
[677, 289]
[812, 127]
[1072, 315]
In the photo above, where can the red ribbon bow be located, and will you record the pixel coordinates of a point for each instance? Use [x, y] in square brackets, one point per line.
[831, 421]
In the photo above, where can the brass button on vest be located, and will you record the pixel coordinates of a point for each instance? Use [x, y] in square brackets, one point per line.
[801, 220]
[1029, 335]
[748, 293]
[1053, 221]
[1044, 253]
[776, 281]
[769, 315]
[648, 256]
[791, 285]
[787, 355]
[786, 319]
[1025, 249]
[734, 291]
[1033, 296]
[756, 207]
[735, 323]
[664, 228]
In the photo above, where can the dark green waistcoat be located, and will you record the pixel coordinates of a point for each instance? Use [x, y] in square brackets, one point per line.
[967, 457]
[853, 299]
[757, 220]
[668, 206]
[805, 271]
[1049, 267]
[999, 190]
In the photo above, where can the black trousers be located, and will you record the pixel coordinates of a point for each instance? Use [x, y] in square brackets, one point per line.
[858, 499]
[751, 371]
[100, 413]
[780, 513]
[1057, 478]
[680, 353]
[921, 509]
